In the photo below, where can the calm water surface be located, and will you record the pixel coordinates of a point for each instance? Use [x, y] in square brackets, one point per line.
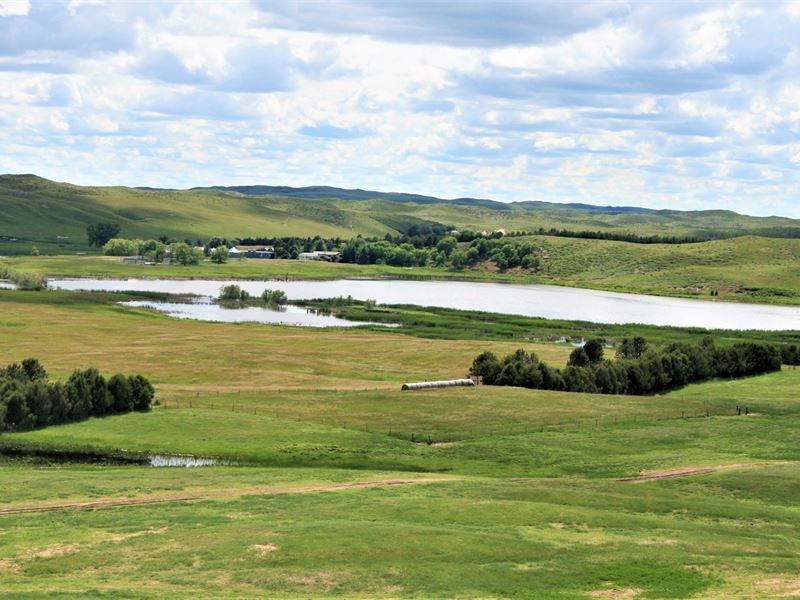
[552, 302]
[206, 311]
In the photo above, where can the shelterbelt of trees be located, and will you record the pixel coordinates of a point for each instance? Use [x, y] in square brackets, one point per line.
[29, 401]
[429, 247]
[638, 369]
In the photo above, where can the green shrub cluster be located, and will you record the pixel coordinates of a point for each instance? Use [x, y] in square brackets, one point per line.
[154, 250]
[29, 401]
[24, 281]
[233, 293]
[274, 297]
[448, 251]
[652, 371]
[790, 354]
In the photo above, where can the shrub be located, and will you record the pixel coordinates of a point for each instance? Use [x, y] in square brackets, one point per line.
[274, 297]
[28, 400]
[650, 372]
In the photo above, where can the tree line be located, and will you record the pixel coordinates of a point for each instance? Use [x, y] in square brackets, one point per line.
[155, 251]
[638, 368]
[29, 401]
[626, 237]
[448, 251]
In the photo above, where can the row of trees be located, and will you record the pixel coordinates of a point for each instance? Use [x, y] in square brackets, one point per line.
[626, 237]
[645, 371]
[29, 401]
[446, 252]
[155, 250]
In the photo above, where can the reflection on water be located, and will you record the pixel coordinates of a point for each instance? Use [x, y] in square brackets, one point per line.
[548, 301]
[205, 310]
[165, 460]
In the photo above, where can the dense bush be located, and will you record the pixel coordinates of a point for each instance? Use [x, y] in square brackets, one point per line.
[790, 354]
[219, 255]
[233, 293]
[638, 371]
[456, 251]
[29, 401]
[156, 251]
[274, 297]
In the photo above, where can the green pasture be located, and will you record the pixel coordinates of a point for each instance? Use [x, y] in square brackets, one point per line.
[337, 484]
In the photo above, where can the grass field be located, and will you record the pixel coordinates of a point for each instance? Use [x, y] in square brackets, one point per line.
[518, 495]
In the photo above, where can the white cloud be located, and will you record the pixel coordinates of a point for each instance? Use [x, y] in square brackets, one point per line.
[18, 8]
[661, 104]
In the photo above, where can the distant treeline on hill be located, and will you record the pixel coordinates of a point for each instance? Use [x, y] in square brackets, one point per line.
[638, 369]
[29, 401]
[627, 237]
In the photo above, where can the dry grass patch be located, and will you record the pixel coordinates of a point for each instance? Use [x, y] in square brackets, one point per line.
[263, 549]
[615, 593]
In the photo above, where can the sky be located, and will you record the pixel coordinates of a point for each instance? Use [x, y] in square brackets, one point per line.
[683, 105]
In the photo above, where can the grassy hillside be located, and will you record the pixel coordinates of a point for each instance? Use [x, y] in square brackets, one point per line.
[521, 495]
[53, 216]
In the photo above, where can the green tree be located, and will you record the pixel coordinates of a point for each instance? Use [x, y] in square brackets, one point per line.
[446, 245]
[18, 416]
[153, 250]
[219, 255]
[119, 387]
[100, 233]
[33, 369]
[79, 397]
[121, 247]
[142, 392]
[594, 350]
[39, 402]
[184, 254]
[487, 366]
[274, 297]
[231, 292]
[578, 358]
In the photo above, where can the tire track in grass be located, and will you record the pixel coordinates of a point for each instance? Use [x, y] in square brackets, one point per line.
[120, 502]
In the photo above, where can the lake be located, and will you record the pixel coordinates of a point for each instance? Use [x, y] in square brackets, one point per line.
[548, 301]
[204, 310]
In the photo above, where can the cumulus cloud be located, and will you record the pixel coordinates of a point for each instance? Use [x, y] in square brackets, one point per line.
[80, 30]
[679, 104]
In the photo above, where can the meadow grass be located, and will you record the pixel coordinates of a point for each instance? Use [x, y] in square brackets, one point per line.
[531, 505]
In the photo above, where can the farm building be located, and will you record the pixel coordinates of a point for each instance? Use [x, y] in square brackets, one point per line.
[320, 255]
[428, 385]
[245, 252]
[135, 260]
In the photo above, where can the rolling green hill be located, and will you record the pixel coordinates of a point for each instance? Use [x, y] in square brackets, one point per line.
[54, 216]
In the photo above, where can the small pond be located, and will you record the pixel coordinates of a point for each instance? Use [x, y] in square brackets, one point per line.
[205, 310]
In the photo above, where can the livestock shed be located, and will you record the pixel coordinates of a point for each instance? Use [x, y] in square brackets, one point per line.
[427, 385]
